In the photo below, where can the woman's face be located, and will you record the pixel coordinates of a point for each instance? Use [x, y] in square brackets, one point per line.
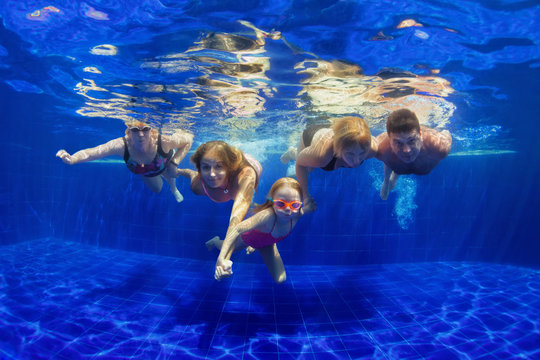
[213, 171]
[353, 155]
[140, 133]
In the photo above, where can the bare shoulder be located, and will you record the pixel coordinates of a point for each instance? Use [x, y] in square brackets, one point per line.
[116, 146]
[439, 143]
[320, 152]
[178, 139]
[247, 174]
[196, 185]
[324, 140]
[383, 145]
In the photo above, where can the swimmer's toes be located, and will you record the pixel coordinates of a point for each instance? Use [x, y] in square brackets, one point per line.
[179, 198]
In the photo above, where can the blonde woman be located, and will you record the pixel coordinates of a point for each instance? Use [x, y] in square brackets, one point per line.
[346, 142]
[146, 153]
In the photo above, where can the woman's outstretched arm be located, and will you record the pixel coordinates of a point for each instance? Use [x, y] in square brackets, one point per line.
[113, 147]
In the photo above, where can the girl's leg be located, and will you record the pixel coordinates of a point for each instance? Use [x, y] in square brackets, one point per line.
[273, 262]
[172, 185]
[214, 242]
[154, 183]
[218, 243]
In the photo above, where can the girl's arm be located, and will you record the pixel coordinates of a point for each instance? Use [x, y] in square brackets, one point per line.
[257, 221]
[223, 263]
[113, 147]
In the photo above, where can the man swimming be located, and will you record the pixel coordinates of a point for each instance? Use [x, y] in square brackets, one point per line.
[408, 148]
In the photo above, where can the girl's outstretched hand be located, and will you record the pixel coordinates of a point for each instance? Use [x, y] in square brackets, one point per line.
[223, 269]
[64, 155]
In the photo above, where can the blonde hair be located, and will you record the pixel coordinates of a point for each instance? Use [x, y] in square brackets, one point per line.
[233, 159]
[349, 131]
[284, 181]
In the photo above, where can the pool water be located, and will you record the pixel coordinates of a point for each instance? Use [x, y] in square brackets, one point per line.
[95, 303]
[93, 265]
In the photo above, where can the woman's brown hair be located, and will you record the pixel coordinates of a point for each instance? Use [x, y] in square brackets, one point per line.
[349, 131]
[275, 187]
[233, 159]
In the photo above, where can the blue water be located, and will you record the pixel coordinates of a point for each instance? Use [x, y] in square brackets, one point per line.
[95, 266]
[98, 303]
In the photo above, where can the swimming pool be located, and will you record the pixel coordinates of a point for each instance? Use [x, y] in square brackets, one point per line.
[96, 266]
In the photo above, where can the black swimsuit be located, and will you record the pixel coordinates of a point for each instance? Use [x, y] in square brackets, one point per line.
[155, 168]
[307, 137]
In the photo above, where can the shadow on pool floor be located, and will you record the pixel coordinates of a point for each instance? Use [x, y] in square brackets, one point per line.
[64, 300]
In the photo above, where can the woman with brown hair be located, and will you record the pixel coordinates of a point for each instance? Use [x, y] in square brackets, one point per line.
[224, 173]
[346, 142]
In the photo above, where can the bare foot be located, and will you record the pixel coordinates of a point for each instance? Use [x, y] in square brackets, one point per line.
[291, 170]
[288, 155]
[210, 244]
[179, 198]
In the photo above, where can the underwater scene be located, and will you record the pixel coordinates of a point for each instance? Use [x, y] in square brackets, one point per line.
[305, 179]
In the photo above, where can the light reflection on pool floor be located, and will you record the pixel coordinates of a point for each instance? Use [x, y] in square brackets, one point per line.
[61, 300]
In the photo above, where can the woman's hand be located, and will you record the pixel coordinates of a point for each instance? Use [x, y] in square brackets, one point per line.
[64, 155]
[309, 205]
[223, 269]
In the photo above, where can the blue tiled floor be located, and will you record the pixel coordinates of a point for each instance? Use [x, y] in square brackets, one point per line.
[62, 300]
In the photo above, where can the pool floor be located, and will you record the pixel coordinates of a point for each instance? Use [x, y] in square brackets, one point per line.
[64, 300]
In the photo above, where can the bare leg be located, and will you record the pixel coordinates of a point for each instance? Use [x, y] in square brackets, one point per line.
[288, 155]
[393, 180]
[216, 242]
[154, 183]
[389, 182]
[273, 262]
[174, 190]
